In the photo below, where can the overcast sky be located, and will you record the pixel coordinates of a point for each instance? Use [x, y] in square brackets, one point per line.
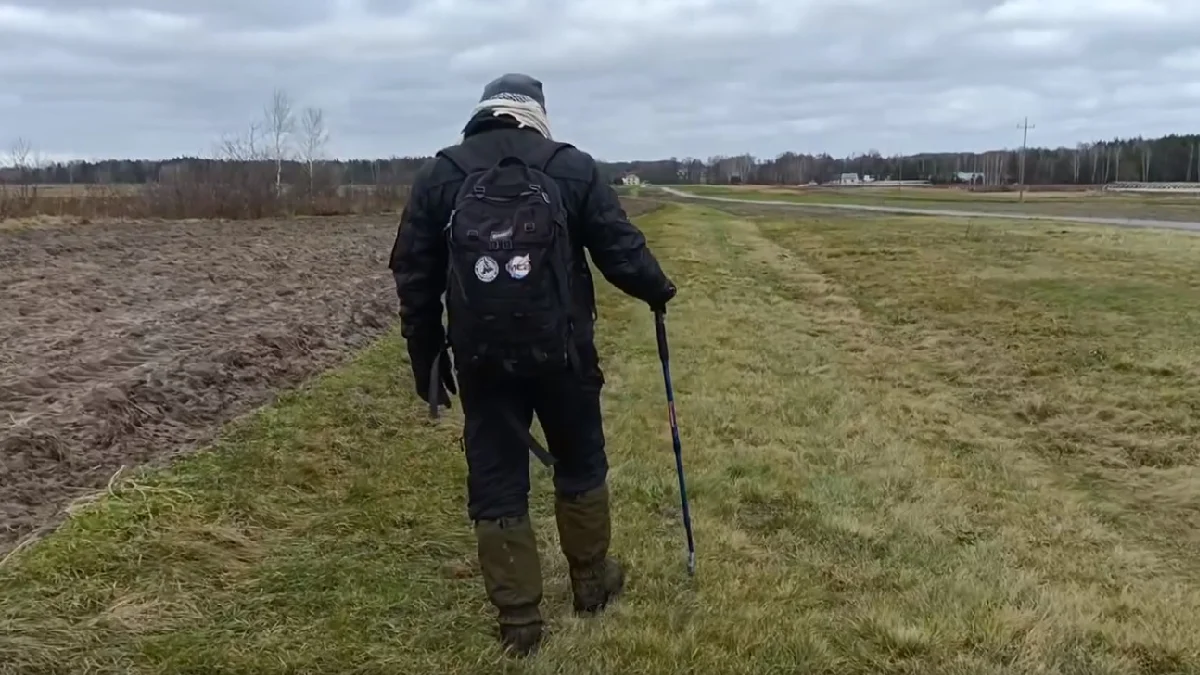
[624, 79]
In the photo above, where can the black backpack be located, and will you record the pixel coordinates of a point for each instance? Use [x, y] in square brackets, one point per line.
[509, 290]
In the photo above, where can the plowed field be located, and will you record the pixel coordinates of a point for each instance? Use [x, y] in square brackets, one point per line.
[126, 343]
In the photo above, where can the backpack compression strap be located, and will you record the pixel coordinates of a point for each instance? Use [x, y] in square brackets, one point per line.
[435, 382]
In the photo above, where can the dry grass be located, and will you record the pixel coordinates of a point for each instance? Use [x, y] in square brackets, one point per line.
[227, 193]
[213, 197]
[81, 189]
[912, 447]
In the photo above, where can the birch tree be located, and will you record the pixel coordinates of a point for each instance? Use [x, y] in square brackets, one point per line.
[281, 125]
[314, 135]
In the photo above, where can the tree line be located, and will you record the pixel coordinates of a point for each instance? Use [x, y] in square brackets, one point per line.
[285, 147]
[1171, 158]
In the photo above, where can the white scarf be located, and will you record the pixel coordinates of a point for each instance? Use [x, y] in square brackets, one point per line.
[525, 110]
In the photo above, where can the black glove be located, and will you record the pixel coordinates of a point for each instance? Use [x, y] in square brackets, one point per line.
[658, 303]
[422, 353]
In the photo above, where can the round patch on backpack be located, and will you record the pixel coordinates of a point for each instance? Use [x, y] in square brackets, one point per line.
[486, 269]
[518, 267]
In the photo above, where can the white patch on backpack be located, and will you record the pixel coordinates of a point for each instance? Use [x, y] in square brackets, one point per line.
[486, 269]
[518, 267]
[496, 236]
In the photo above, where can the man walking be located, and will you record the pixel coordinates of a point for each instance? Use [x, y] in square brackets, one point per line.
[499, 223]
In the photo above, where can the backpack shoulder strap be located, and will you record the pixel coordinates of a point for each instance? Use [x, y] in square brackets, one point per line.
[462, 158]
[467, 162]
[540, 159]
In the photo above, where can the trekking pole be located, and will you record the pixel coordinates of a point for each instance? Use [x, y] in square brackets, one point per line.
[660, 329]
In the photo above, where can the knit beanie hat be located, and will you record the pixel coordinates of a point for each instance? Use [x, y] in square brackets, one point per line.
[515, 87]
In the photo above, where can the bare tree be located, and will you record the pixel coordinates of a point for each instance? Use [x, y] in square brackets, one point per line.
[25, 162]
[243, 148]
[313, 137]
[281, 125]
[239, 183]
[20, 155]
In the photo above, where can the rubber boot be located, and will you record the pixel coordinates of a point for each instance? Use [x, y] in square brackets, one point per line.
[585, 530]
[512, 577]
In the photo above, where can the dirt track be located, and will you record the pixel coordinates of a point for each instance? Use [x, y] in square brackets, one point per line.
[1181, 225]
[124, 344]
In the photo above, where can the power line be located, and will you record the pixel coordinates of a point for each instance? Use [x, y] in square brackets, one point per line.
[1025, 127]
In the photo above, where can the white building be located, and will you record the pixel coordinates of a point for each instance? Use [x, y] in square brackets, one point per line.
[631, 179]
[853, 179]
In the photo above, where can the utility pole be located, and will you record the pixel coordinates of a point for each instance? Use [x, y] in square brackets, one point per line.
[1024, 127]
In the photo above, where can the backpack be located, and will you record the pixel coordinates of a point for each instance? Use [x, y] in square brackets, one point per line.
[509, 287]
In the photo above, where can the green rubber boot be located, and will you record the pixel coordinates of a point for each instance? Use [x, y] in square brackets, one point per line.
[585, 530]
[512, 577]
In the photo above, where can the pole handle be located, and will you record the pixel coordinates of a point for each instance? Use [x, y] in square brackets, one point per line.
[660, 332]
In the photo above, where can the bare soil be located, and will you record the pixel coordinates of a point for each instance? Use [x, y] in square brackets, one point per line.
[127, 343]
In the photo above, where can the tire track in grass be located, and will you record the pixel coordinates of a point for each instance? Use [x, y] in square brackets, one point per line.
[1031, 527]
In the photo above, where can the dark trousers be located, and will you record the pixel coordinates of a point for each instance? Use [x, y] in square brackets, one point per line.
[567, 405]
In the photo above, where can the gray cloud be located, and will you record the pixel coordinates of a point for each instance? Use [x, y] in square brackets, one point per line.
[624, 78]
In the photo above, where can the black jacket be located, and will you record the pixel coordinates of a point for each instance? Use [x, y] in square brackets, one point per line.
[597, 222]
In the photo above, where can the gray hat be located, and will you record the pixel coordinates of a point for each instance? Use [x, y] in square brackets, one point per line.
[515, 84]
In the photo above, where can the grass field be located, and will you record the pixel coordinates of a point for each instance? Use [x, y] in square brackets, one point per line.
[912, 447]
[1161, 206]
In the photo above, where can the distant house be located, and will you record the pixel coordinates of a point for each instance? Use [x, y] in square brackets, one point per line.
[970, 177]
[853, 179]
[630, 179]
